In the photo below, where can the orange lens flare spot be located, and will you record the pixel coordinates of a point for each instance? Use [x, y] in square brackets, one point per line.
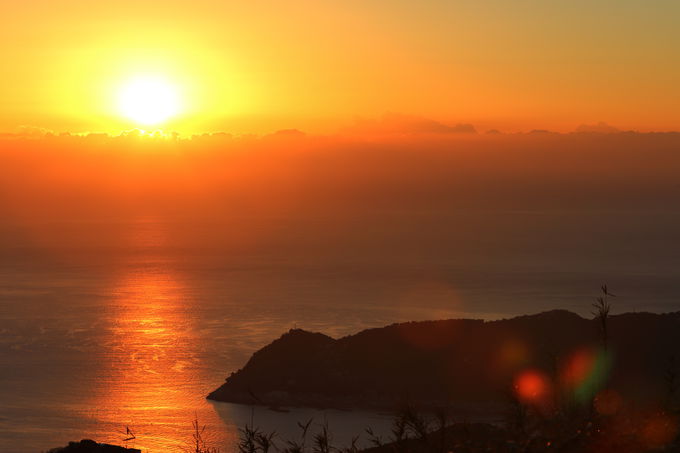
[513, 354]
[578, 367]
[608, 402]
[533, 387]
[660, 430]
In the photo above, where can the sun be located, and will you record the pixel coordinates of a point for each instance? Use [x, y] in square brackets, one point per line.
[149, 100]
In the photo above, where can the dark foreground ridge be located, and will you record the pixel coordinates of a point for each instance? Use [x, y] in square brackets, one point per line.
[90, 446]
[462, 363]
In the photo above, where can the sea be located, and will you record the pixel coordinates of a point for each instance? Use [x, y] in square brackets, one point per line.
[120, 326]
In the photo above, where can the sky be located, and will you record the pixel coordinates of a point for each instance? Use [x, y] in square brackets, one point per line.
[318, 66]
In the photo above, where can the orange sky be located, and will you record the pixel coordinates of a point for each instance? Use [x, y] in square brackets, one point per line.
[259, 66]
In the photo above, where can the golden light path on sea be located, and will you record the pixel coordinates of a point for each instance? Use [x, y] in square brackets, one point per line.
[151, 371]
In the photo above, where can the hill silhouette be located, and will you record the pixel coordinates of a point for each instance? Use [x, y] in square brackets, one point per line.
[456, 362]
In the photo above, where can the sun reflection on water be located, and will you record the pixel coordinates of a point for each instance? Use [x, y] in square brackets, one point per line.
[152, 369]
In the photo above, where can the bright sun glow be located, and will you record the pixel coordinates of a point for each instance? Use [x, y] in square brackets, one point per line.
[149, 100]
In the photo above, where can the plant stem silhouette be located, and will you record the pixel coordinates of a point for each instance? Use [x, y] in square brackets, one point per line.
[601, 313]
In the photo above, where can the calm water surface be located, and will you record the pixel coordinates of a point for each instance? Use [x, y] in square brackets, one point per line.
[97, 336]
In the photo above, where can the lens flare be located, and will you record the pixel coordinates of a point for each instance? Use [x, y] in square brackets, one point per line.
[659, 430]
[513, 354]
[532, 387]
[608, 402]
[585, 372]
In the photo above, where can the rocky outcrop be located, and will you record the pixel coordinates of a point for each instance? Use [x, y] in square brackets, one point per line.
[90, 446]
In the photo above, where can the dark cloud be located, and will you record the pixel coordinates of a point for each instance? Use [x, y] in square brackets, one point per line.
[394, 123]
[288, 133]
[599, 128]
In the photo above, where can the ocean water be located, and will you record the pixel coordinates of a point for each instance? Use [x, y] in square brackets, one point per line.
[131, 323]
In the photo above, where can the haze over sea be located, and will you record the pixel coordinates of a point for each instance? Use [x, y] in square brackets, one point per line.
[129, 318]
[104, 336]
